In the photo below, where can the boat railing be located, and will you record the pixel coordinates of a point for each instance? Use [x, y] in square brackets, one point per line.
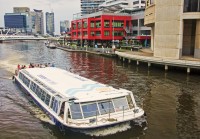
[109, 115]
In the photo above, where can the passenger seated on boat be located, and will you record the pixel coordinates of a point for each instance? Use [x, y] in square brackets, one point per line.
[23, 67]
[62, 110]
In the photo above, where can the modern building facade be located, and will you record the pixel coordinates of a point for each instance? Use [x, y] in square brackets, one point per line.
[25, 10]
[50, 27]
[135, 8]
[175, 27]
[100, 28]
[16, 21]
[64, 26]
[90, 6]
[37, 21]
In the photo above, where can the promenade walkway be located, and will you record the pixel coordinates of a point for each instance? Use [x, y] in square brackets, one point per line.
[147, 57]
[144, 55]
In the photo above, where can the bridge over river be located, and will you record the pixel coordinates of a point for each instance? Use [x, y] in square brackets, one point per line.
[19, 37]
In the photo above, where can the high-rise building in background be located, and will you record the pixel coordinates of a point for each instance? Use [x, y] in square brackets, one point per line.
[38, 20]
[50, 28]
[16, 21]
[90, 6]
[21, 10]
[64, 26]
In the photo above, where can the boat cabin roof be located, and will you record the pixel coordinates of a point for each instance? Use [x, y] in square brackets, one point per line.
[70, 85]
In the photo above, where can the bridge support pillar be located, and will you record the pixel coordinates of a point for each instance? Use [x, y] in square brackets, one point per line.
[166, 67]
[149, 64]
[138, 62]
[129, 61]
[124, 59]
[188, 70]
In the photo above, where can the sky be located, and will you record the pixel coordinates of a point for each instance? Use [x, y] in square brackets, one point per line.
[63, 9]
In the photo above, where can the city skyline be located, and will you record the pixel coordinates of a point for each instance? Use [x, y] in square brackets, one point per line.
[63, 9]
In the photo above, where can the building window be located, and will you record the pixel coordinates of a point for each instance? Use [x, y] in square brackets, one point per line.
[135, 2]
[135, 33]
[92, 33]
[135, 23]
[141, 22]
[85, 33]
[118, 33]
[79, 25]
[191, 6]
[74, 26]
[106, 24]
[106, 33]
[92, 24]
[145, 32]
[117, 24]
[98, 24]
[149, 2]
[98, 33]
[85, 25]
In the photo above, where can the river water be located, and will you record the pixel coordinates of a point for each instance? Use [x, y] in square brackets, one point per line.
[171, 100]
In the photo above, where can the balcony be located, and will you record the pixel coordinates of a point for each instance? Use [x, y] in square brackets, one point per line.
[149, 15]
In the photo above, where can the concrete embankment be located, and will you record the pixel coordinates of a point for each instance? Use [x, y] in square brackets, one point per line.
[97, 52]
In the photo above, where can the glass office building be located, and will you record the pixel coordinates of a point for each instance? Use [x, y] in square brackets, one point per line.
[50, 29]
[15, 20]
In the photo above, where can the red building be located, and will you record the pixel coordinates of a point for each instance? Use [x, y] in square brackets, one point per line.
[98, 28]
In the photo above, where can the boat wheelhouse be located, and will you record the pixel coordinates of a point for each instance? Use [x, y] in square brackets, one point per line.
[77, 102]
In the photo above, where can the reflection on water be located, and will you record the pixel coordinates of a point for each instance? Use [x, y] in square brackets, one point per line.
[171, 100]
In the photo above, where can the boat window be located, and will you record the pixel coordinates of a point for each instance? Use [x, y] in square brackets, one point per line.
[120, 104]
[130, 101]
[69, 114]
[47, 99]
[90, 110]
[52, 101]
[55, 103]
[43, 95]
[75, 110]
[33, 87]
[25, 80]
[106, 107]
[61, 114]
[38, 91]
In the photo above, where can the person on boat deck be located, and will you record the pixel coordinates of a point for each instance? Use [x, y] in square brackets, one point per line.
[18, 67]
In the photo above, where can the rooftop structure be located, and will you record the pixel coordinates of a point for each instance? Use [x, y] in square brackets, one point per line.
[118, 5]
[21, 10]
[90, 6]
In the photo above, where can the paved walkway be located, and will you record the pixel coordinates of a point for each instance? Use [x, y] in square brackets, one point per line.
[147, 56]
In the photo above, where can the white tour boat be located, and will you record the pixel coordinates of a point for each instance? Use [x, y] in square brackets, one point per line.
[76, 102]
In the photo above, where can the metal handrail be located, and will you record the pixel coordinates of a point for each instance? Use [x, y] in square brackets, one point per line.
[111, 114]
